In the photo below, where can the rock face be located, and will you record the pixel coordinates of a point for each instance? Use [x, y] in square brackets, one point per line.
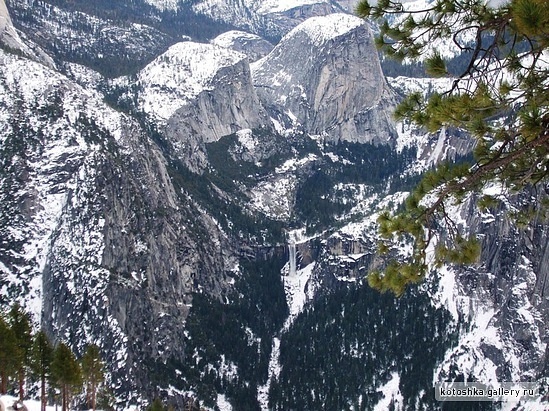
[11, 40]
[325, 76]
[186, 90]
[499, 306]
[93, 227]
[503, 298]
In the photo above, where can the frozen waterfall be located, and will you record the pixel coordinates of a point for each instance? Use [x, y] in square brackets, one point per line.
[291, 249]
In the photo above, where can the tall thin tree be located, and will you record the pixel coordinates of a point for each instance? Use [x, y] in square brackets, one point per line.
[40, 361]
[9, 354]
[66, 372]
[20, 323]
[93, 371]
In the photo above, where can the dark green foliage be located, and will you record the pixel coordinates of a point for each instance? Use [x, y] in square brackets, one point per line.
[66, 373]
[156, 405]
[10, 354]
[105, 399]
[20, 323]
[239, 333]
[41, 357]
[348, 343]
[93, 372]
[378, 166]
[509, 119]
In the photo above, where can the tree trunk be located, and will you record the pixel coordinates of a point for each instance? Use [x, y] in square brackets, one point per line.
[93, 389]
[21, 374]
[4, 384]
[42, 392]
[64, 405]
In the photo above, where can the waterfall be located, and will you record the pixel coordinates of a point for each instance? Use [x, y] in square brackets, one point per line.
[291, 249]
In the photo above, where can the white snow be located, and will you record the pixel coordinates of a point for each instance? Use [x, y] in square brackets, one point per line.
[6, 402]
[228, 38]
[391, 394]
[295, 289]
[177, 76]
[324, 28]
[223, 404]
[164, 4]
[246, 139]
[274, 372]
[279, 6]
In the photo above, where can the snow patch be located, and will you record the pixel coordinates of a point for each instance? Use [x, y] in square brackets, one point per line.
[180, 74]
[391, 395]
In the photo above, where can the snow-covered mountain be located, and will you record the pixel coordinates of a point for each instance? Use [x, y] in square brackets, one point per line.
[325, 75]
[254, 46]
[207, 214]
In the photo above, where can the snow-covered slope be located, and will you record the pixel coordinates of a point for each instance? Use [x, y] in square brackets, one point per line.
[89, 214]
[164, 4]
[177, 77]
[272, 18]
[107, 235]
[254, 46]
[186, 89]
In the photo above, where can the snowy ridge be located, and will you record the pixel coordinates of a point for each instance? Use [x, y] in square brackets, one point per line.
[66, 132]
[254, 46]
[228, 38]
[180, 74]
[325, 28]
[499, 337]
[163, 5]
[26, 86]
[278, 6]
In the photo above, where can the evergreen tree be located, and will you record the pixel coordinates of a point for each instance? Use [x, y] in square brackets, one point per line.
[66, 372]
[93, 373]
[10, 354]
[156, 405]
[501, 97]
[105, 399]
[21, 325]
[41, 357]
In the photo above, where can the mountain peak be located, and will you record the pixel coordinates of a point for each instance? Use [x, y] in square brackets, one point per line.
[254, 46]
[325, 75]
[324, 28]
[180, 74]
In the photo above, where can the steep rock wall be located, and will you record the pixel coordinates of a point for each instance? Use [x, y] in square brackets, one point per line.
[325, 75]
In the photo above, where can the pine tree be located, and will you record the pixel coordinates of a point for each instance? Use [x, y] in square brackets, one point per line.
[501, 98]
[21, 325]
[10, 354]
[156, 405]
[66, 372]
[93, 373]
[41, 357]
